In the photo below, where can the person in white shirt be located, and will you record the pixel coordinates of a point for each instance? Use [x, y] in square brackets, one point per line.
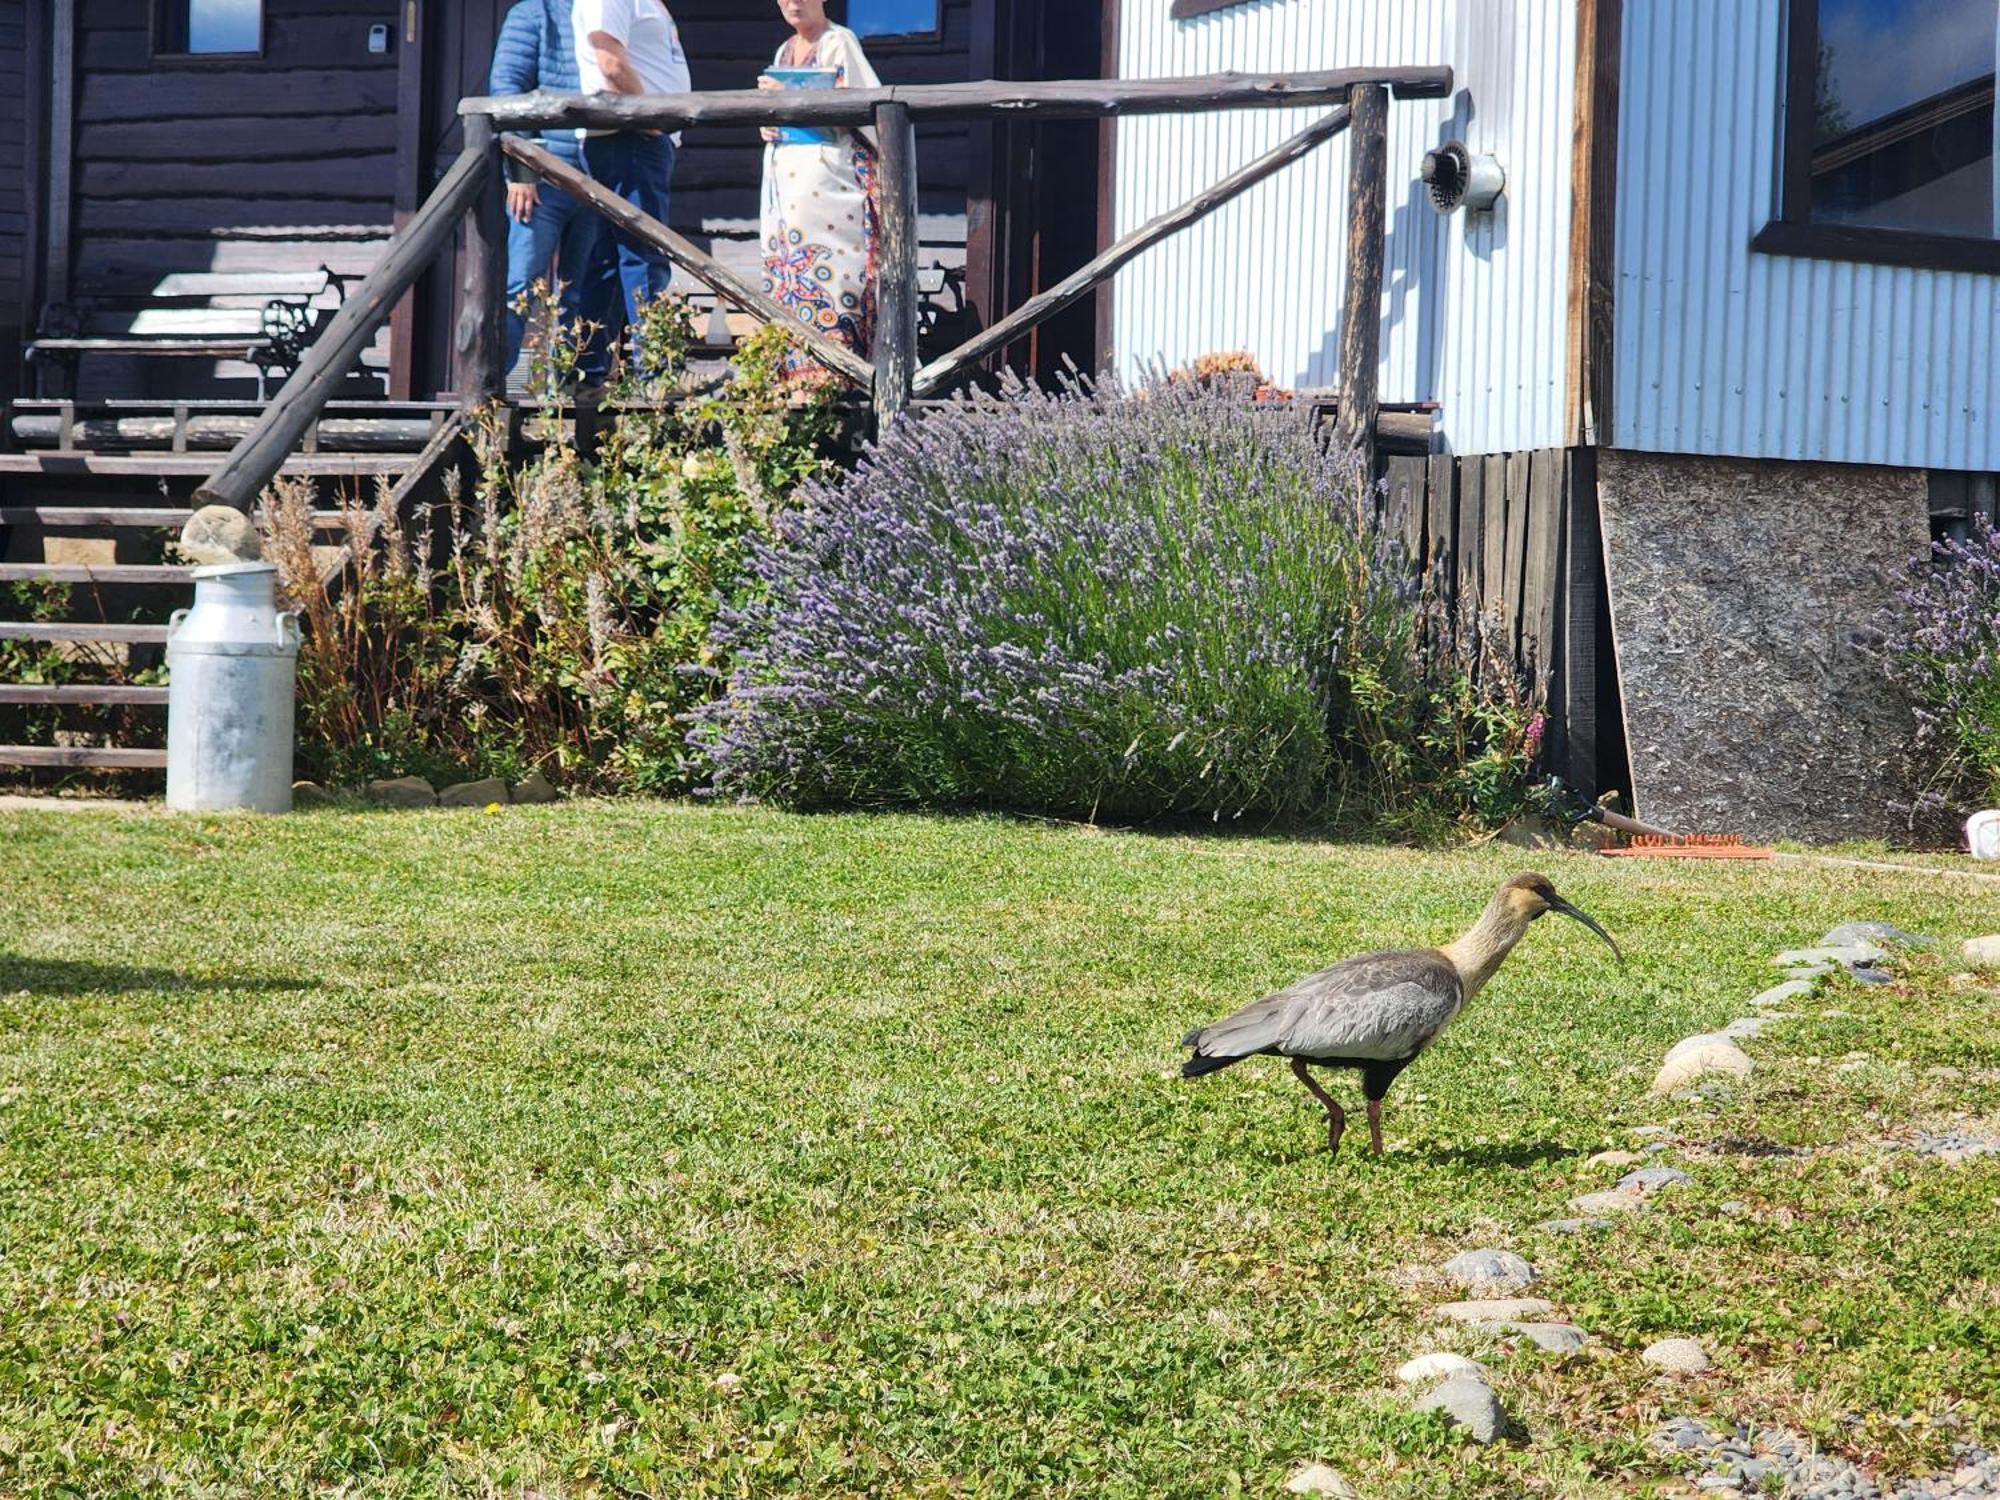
[632, 47]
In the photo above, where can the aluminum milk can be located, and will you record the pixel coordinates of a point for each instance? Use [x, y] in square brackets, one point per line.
[232, 662]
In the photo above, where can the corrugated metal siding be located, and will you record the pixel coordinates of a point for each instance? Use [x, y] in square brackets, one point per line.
[1720, 351]
[1475, 308]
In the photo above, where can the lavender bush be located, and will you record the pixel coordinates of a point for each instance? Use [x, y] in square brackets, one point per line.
[1945, 652]
[1088, 603]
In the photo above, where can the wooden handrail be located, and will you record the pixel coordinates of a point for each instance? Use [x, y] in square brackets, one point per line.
[255, 460]
[1361, 93]
[688, 256]
[939, 373]
[1083, 99]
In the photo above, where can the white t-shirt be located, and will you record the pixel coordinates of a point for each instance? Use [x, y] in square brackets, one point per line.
[650, 38]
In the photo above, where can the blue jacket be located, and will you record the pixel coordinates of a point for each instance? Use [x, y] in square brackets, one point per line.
[537, 50]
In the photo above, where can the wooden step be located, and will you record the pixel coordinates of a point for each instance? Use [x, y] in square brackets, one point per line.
[83, 631]
[71, 694]
[91, 517]
[200, 466]
[20, 572]
[82, 757]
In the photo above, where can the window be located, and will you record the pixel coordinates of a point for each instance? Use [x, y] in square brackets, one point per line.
[209, 28]
[893, 18]
[1889, 133]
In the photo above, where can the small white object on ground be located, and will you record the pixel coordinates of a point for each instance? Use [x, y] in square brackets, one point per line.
[1319, 1479]
[1493, 1309]
[1694, 1057]
[1470, 1404]
[1489, 1268]
[1438, 1367]
[1984, 951]
[1678, 1356]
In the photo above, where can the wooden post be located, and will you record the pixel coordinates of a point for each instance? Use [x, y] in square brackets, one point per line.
[1361, 321]
[62, 92]
[481, 320]
[414, 118]
[896, 293]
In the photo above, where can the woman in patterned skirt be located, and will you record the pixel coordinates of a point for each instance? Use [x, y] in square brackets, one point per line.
[819, 222]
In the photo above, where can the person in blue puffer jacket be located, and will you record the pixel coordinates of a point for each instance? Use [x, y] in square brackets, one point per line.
[544, 224]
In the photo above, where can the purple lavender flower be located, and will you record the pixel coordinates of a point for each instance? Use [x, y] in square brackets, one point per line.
[1090, 602]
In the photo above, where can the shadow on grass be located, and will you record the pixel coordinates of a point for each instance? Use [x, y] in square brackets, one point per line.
[65, 976]
[1517, 1154]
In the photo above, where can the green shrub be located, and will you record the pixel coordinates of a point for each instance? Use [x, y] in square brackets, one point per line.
[560, 615]
[1100, 604]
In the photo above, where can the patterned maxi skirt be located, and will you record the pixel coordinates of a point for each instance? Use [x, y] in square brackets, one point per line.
[821, 238]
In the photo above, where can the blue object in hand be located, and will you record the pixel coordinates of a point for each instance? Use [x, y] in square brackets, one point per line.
[803, 78]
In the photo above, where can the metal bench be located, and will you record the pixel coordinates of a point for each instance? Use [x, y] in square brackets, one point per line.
[263, 318]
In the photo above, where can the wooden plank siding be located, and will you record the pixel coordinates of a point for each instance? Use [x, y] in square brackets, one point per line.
[285, 162]
[1515, 537]
[16, 184]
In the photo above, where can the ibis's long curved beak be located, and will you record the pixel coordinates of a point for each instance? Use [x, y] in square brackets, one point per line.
[1558, 904]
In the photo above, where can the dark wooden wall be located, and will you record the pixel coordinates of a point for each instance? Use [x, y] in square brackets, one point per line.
[283, 163]
[1517, 537]
[16, 184]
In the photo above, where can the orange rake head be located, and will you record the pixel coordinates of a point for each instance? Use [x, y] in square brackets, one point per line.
[1687, 846]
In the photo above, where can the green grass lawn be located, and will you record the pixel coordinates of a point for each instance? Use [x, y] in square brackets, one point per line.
[652, 1150]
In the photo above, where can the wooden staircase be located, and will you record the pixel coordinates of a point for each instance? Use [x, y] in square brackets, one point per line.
[112, 625]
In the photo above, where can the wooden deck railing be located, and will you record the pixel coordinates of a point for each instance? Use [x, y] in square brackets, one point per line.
[1357, 100]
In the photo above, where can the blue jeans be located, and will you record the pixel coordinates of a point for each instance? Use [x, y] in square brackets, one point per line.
[639, 169]
[589, 276]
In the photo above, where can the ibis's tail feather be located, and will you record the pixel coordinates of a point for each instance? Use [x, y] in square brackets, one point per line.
[1197, 1065]
[1255, 1028]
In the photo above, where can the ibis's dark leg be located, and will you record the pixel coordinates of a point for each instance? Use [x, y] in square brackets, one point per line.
[1375, 1081]
[1336, 1117]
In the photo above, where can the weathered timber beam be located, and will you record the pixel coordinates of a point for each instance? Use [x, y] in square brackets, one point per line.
[1361, 317]
[482, 377]
[935, 376]
[895, 348]
[299, 402]
[1081, 99]
[689, 257]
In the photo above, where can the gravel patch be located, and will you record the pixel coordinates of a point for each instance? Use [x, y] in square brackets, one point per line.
[1752, 1461]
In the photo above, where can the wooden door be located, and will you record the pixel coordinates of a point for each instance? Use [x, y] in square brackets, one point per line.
[447, 55]
[1035, 203]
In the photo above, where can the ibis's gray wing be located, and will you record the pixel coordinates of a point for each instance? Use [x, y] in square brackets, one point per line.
[1378, 1006]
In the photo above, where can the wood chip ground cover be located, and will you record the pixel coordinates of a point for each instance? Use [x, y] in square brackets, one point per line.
[654, 1150]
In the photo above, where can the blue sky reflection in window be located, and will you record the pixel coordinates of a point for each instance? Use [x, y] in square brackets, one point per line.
[211, 27]
[892, 17]
[1903, 115]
